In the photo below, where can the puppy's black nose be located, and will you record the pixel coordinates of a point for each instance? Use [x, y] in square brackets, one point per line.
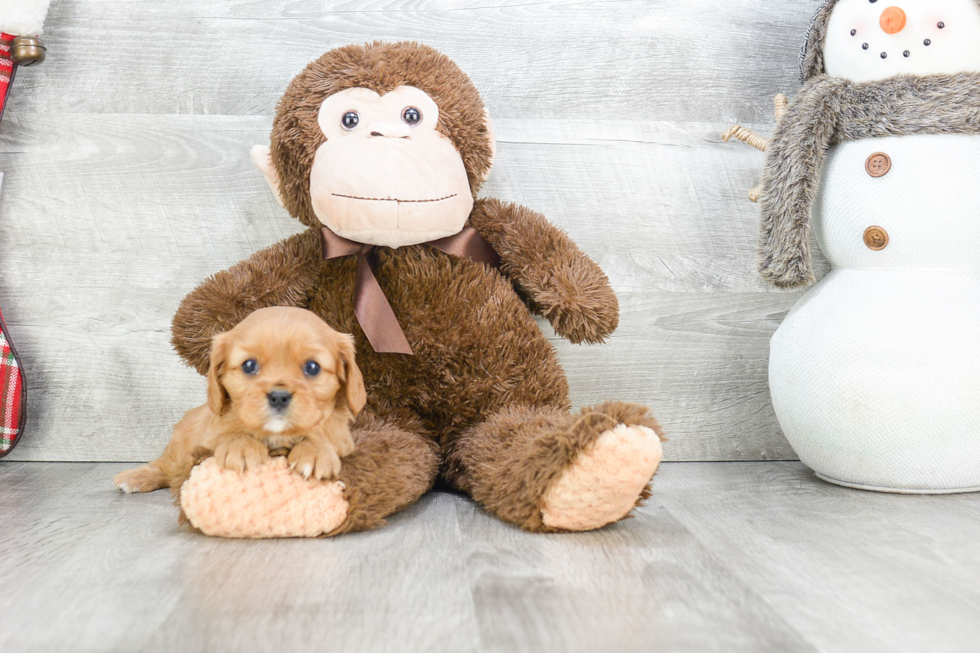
[279, 399]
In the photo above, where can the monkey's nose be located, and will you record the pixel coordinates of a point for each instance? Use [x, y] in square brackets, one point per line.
[893, 20]
[390, 129]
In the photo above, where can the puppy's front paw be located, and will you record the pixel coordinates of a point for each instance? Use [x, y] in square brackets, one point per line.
[241, 452]
[319, 461]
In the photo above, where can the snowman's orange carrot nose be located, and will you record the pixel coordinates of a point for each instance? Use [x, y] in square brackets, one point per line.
[893, 20]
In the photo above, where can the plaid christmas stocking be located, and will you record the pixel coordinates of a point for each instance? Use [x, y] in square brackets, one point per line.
[6, 68]
[11, 377]
[24, 19]
[12, 393]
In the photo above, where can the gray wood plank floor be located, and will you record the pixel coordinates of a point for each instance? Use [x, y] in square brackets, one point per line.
[725, 557]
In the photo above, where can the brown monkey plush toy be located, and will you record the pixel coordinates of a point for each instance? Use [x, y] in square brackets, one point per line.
[380, 150]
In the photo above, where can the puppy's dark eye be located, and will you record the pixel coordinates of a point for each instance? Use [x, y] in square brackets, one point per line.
[350, 120]
[251, 366]
[412, 116]
[311, 368]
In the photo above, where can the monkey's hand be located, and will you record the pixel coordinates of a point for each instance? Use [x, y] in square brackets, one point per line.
[281, 275]
[549, 271]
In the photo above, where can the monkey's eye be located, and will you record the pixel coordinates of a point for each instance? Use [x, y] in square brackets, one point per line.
[250, 367]
[412, 116]
[311, 368]
[350, 120]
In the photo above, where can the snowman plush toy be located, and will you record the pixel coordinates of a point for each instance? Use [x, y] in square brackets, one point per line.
[875, 374]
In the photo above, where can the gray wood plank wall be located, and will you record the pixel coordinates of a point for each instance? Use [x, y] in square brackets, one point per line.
[128, 182]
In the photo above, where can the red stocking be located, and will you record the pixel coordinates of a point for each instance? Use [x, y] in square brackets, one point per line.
[12, 390]
[12, 394]
[6, 68]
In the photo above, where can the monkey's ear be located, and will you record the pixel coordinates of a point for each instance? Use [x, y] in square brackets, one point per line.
[493, 141]
[262, 157]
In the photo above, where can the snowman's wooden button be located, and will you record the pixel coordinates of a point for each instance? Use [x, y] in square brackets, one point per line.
[876, 238]
[878, 164]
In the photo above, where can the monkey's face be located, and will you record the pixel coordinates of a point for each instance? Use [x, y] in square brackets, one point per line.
[384, 143]
[385, 175]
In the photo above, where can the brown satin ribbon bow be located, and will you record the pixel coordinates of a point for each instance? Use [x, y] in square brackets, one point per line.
[374, 313]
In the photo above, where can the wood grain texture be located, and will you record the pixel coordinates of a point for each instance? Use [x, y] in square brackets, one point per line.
[726, 557]
[848, 570]
[128, 182]
[643, 59]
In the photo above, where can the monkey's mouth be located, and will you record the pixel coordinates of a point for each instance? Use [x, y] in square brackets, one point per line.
[393, 199]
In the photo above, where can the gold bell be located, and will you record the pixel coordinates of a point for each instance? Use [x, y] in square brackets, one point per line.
[27, 50]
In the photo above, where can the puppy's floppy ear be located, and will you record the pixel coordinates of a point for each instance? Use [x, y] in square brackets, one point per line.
[218, 398]
[350, 376]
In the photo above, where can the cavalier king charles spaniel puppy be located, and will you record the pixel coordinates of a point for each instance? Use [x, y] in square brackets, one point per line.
[281, 379]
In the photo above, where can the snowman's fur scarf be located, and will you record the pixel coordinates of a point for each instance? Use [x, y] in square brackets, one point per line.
[811, 58]
[22, 17]
[831, 110]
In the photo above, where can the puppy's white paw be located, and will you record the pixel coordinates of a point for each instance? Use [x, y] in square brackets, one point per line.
[312, 460]
[141, 479]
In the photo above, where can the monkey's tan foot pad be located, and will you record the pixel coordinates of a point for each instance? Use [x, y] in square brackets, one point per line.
[605, 482]
[272, 501]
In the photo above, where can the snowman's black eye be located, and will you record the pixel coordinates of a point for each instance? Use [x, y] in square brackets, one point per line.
[412, 116]
[311, 368]
[873, 1]
[350, 120]
[884, 55]
[853, 32]
[250, 367]
[941, 25]
[907, 53]
[865, 46]
[928, 42]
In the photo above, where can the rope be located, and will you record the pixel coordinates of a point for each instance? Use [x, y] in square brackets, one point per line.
[782, 104]
[757, 141]
[739, 132]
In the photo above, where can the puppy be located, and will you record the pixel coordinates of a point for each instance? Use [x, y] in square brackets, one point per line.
[282, 378]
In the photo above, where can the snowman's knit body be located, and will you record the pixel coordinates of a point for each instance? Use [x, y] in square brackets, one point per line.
[875, 373]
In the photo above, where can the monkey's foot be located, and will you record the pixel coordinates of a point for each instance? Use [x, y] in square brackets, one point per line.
[605, 482]
[270, 501]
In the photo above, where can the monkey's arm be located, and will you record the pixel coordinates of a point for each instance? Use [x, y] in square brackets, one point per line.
[549, 271]
[281, 275]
